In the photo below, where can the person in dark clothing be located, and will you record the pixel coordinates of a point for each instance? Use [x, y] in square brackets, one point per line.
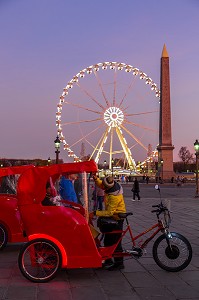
[78, 188]
[136, 189]
[47, 200]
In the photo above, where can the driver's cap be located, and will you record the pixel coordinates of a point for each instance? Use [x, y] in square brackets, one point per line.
[108, 182]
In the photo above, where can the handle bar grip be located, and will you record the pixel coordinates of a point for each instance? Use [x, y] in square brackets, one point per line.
[156, 205]
[156, 210]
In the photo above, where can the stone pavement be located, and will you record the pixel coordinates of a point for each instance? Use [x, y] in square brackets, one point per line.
[141, 279]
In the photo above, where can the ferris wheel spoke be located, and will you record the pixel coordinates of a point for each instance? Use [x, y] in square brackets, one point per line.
[142, 113]
[82, 121]
[82, 107]
[90, 96]
[134, 137]
[140, 126]
[101, 88]
[85, 138]
[114, 90]
[87, 135]
[129, 88]
[111, 149]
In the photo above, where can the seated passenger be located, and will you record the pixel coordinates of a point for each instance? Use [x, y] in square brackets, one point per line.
[48, 200]
[66, 188]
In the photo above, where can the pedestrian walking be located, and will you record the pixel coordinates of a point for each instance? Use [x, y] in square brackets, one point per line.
[136, 189]
[178, 181]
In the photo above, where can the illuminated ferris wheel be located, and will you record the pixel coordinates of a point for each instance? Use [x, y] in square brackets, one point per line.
[107, 108]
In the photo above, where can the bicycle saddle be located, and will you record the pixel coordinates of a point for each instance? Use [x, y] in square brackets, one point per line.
[125, 215]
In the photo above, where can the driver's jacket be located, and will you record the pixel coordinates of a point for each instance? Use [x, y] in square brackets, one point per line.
[114, 200]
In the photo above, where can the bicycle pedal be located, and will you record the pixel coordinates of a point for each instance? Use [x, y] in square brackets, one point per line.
[135, 252]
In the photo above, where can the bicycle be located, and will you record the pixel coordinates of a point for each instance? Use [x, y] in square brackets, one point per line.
[61, 237]
[171, 250]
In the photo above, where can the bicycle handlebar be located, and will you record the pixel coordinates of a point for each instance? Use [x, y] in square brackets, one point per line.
[161, 208]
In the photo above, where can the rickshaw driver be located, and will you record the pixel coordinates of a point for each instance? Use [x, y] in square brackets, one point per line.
[114, 204]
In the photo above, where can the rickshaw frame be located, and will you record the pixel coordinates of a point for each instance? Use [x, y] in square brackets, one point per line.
[10, 223]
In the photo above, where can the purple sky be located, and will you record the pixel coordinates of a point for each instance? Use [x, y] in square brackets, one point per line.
[45, 43]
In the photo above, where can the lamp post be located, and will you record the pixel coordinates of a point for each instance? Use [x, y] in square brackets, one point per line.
[162, 162]
[49, 161]
[105, 167]
[112, 162]
[57, 146]
[196, 147]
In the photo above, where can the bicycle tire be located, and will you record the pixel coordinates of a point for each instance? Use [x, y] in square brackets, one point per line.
[3, 237]
[39, 260]
[175, 259]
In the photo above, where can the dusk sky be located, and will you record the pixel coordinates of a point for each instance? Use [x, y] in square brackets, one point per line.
[44, 43]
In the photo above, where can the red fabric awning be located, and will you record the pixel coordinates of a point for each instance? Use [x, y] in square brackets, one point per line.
[32, 183]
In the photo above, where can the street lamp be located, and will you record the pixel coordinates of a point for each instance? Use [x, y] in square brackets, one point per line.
[57, 146]
[112, 162]
[162, 162]
[196, 147]
[105, 167]
[49, 161]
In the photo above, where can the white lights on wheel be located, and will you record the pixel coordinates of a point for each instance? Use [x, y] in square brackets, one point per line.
[96, 67]
[113, 117]
[112, 66]
[89, 70]
[142, 75]
[69, 85]
[65, 91]
[120, 67]
[75, 79]
[81, 74]
[104, 66]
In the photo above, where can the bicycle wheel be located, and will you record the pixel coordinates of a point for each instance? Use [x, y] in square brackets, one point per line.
[39, 260]
[172, 252]
[3, 237]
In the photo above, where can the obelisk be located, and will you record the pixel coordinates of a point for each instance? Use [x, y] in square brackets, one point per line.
[165, 147]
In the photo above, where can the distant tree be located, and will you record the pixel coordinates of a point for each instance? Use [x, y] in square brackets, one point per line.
[185, 156]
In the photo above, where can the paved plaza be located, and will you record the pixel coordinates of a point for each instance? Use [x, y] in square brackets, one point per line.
[141, 279]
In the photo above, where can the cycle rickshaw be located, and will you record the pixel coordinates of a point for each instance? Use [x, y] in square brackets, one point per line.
[61, 236]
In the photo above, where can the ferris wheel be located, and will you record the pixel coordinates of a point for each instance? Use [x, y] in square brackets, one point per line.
[109, 108]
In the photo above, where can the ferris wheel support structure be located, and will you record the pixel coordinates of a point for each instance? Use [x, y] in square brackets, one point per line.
[103, 141]
[111, 150]
[126, 150]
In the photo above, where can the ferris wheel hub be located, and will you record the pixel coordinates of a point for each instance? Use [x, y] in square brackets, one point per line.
[113, 116]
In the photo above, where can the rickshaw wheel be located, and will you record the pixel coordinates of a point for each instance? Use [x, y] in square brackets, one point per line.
[3, 237]
[39, 260]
